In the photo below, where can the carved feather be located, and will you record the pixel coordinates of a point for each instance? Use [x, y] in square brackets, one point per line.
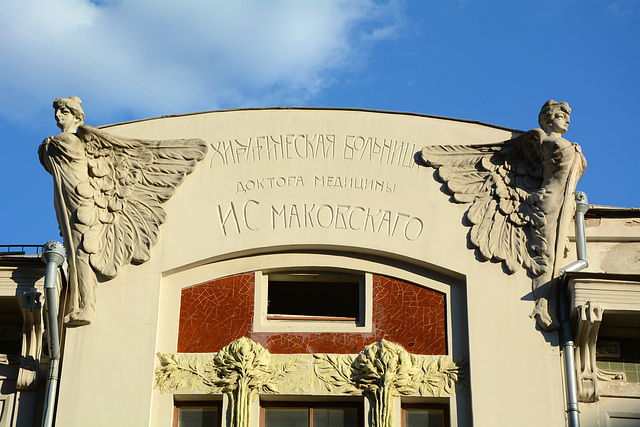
[499, 180]
[131, 178]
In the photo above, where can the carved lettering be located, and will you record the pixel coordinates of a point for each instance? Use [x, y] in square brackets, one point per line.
[270, 182]
[354, 210]
[369, 218]
[380, 186]
[341, 223]
[273, 147]
[322, 218]
[289, 146]
[385, 151]
[386, 217]
[231, 212]
[246, 216]
[416, 229]
[278, 213]
[293, 212]
[308, 215]
[345, 217]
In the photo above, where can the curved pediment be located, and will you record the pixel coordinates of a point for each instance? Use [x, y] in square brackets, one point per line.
[313, 179]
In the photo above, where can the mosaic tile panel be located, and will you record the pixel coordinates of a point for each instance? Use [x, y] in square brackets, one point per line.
[215, 313]
[410, 315]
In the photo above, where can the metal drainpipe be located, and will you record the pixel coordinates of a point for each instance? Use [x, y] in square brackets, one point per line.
[53, 256]
[568, 347]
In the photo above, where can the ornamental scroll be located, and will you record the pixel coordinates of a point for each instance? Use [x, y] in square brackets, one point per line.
[108, 192]
[244, 369]
[521, 199]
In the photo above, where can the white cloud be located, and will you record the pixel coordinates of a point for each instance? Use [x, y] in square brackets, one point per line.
[164, 57]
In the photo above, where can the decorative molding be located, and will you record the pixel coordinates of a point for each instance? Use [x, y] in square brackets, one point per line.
[520, 193]
[383, 371]
[587, 326]
[589, 319]
[612, 293]
[31, 308]
[243, 369]
[108, 192]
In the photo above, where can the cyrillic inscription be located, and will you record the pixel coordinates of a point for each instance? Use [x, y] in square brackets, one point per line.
[381, 150]
[355, 183]
[387, 151]
[271, 182]
[236, 218]
[273, 147]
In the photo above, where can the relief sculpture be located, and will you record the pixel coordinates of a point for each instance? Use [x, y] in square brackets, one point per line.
[521, 196]
[244, 370]
[108, 192]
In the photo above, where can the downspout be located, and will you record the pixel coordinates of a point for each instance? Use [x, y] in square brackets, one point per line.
[582, 206]
[566, 333]
[53, 256]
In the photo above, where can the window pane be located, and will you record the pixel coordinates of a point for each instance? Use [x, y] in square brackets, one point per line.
[316, 297]
[198, 417]
[424, 418]
[323, 417]
[286, 417]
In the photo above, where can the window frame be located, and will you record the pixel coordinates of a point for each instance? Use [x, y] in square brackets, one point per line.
[425, 405]
[358, 405]
[265, 322]
[178, 404]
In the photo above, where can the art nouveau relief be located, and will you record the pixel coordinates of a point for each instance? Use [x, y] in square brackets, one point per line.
[108, 193]
[521, 199]
[244, 369]
[588, 320]
[383, 371]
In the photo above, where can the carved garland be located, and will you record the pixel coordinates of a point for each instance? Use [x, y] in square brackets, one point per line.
[243, 369]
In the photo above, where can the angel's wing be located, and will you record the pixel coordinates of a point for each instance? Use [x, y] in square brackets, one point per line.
[128, 181]
[503, 183]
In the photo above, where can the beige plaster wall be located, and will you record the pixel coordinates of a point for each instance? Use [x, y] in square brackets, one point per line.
[515, 370]
[613, 245]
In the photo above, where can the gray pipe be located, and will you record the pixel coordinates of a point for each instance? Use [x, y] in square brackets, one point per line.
[568, 347]
[53, 256]
[582, 206]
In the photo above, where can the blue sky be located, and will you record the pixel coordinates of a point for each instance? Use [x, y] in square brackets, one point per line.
[492, 61]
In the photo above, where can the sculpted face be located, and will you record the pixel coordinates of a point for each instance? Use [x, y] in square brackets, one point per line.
[554, 117]
[559, 122]
[65, 120]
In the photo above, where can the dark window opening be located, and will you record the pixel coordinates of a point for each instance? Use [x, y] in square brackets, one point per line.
[11, 326]
[315, 297]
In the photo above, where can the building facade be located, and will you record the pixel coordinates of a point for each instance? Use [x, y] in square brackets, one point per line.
[329, 268]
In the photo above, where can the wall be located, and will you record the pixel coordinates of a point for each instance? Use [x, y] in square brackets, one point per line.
[338, 189]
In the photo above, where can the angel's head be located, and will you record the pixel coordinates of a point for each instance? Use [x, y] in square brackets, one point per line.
[69, 114]
[554, 117]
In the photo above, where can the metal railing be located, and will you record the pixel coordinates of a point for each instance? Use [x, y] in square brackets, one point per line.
[7, 250]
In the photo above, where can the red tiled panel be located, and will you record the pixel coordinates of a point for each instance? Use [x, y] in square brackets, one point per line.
[409, 315]
[215, 313]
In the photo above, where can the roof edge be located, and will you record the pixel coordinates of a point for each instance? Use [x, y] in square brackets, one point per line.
[365, 110]
[600, 211]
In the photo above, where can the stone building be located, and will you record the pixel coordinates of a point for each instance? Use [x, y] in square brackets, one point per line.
[328, 268]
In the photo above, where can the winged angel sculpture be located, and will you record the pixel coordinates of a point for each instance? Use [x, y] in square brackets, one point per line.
[521, 196]
[108, 192]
